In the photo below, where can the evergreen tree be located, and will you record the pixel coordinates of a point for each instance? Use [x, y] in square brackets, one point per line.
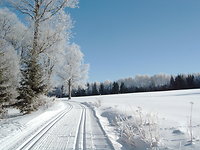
[172, 83]
[88, 92]
[190, 81]
[82, 92]
[94, 89]
[4, 94]
[115, 88]
[180, 82]
[31, 85]
[123, 88]
[101, 89]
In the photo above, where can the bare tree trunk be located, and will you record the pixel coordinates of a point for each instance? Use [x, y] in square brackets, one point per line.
[69, 89]
[61, 95]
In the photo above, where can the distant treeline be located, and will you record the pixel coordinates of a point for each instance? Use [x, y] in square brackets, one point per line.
[140, 83]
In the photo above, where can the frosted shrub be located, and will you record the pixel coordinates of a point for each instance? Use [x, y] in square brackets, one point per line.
[128, 129]
[98, 103]
[152, 131]
[3, 112]
[42, 101]
[190, 126]
[139, 126]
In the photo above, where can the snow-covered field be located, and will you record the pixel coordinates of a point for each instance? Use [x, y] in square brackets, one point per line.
[170, 111]
[139, 121]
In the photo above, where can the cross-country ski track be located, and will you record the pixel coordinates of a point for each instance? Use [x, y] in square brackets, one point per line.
[74, 128]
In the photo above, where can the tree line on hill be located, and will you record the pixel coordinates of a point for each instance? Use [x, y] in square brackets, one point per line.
[140, 83]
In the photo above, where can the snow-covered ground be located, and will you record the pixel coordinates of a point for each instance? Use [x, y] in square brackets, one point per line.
[66, 125]
[98, 123]
[17, 125]
[170, 111]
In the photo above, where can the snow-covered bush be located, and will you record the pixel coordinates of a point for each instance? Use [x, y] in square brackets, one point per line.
[40, 102]
[3, 112]
[95, 104]
[139, 126]
[190, 125]
[43, 101]
[98, 103]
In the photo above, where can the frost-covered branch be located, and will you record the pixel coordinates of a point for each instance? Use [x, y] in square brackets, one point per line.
[42, 10]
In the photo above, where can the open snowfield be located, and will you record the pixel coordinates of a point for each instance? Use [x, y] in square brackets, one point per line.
[139, 121]
[170, 111]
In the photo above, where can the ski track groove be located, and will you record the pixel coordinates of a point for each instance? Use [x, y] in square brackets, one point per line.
[80, 130]
[28, 144]
[84, 131]
[80, 142]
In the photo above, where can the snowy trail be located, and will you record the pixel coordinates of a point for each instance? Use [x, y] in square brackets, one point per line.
[74, 128]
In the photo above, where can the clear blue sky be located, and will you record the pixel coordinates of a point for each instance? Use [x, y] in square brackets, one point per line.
[122, 38]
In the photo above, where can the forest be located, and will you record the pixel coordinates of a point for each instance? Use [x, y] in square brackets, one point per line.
[140, 83]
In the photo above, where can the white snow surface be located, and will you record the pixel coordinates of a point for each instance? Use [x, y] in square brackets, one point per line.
[17, 125]
[83, 126]
[67, 125]
[172, 109]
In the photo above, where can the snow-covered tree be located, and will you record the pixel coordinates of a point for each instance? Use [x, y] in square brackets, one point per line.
[160, 80]
[40, 11]
[146, 81]
[12, 41]
[12, 30]
[72, 70]
[45, 29]
[56, 32]
[9, 73]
